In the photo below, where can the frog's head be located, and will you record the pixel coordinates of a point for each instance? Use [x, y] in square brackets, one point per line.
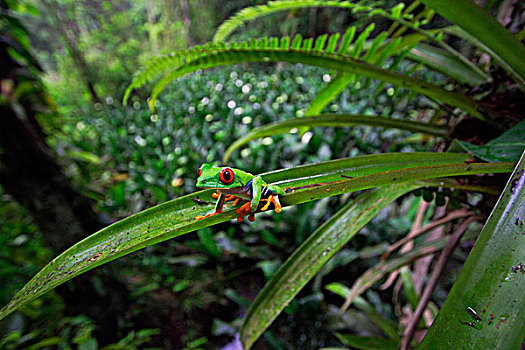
[217, 177]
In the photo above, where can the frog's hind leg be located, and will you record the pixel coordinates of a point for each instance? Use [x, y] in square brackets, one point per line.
[218, 208]
[246, 208]
[272, 199]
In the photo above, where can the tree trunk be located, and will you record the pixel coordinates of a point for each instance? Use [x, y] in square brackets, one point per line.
[30, 173]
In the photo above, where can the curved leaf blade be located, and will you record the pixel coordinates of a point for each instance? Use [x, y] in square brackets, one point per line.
[330, 119]
[442, 61]
[313, 254]
[138, 231]
[176, 217]
[485, 28]
[492, 281]
[387, 326]
[390, 177]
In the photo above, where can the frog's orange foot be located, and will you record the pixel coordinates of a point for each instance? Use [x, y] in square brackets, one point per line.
[200, 217]
[246, 208]
[275, 200]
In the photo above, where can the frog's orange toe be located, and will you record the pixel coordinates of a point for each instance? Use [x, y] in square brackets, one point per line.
[243, 210]
[200, 217]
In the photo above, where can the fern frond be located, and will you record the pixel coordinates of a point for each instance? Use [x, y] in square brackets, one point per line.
[377, 53]
[200, 58]
[360, 41]
[253, 12]
[396, 14]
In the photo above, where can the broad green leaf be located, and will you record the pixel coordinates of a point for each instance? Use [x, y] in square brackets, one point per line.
[491, 282]
[442, 61]
[367, 343]
[313, 254]
[389, 327]
[336, 120]
[506, 148]
[485, 28]
[389, 177]
[177, 217]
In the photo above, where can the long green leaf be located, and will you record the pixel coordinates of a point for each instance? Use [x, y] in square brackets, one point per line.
[177, 217]
[442, 61]
[485, 28]
[392, 176]
[491, 283]
[313, 254]
[329, 119]
[387, 326]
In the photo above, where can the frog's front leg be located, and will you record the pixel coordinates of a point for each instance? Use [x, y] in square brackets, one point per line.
[257, 185]
[228, 198]
[218, 208]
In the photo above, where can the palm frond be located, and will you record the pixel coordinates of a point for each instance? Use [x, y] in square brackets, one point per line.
[406, 19]
[312, 53]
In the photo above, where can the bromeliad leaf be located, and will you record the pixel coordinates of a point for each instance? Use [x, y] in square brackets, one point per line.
[491, 282]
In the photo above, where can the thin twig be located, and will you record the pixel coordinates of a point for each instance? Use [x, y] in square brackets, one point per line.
[438, 269]
[450, 217]
[416, 226]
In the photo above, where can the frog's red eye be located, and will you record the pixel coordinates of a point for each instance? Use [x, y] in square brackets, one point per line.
[226, 175]
[199, 171]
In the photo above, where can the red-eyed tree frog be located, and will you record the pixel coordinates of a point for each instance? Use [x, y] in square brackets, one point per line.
[234, 184]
